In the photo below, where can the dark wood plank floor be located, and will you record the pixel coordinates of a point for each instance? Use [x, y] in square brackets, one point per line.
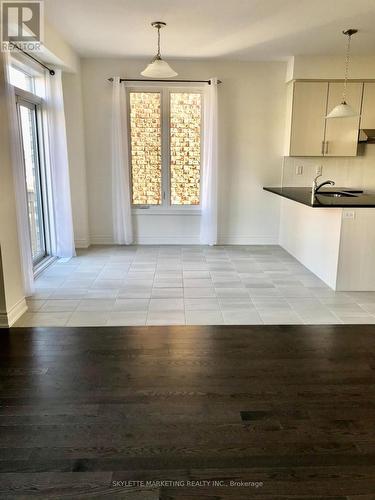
[164, 412]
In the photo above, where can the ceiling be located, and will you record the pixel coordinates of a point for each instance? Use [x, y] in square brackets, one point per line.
[228, 29]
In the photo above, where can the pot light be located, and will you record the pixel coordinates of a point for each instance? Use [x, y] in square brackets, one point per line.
[158, 68]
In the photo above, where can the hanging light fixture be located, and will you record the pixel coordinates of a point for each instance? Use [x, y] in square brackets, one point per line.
[158, 68]
[344, 110]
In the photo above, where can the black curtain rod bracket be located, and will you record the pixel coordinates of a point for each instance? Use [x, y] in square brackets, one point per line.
[50, 71]
[164, 81]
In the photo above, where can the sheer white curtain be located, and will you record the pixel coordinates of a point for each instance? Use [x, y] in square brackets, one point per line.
[19, 186]
[121, 205]
[208, 232]
[59, 167]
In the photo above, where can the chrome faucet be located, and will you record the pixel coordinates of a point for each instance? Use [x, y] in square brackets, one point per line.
[316, 187]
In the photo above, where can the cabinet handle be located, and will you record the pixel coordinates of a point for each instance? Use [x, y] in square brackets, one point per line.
[322, 147]
[326, 147]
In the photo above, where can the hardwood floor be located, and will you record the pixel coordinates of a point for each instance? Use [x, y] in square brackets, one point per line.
[109, 412]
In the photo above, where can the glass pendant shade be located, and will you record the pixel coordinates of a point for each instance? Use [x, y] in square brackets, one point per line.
[158, 69]
[342, 110]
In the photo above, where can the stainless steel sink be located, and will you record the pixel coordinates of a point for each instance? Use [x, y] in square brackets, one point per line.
[338, 194]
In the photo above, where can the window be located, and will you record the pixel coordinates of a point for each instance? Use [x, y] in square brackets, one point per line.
[165, 147]
[29, 116]
[21, 79]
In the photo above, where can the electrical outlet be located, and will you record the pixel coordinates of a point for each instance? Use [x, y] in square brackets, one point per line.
[319, 170]
[299, 170]
[348, 214]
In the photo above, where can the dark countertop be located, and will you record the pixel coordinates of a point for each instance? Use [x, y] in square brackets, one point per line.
[303, 195]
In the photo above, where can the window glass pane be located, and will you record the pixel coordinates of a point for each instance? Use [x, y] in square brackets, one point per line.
[20, 79]
[145, 131]
[185, 134]
[33, 182]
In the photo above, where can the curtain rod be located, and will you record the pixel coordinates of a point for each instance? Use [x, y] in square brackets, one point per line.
[51, 71]
[165, 80]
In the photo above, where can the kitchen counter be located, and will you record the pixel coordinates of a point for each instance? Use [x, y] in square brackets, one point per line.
[303, 195]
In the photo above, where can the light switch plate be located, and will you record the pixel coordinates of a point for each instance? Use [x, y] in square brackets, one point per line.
[299, 170]
[319, 169]
[348, 214]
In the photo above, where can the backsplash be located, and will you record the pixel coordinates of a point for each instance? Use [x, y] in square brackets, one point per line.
[357, 172]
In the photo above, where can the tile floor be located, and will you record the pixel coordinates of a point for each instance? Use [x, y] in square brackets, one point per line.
[193, 285]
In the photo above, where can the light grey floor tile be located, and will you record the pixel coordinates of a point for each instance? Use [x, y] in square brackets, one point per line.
[199, 292]
[88, 318]
[166, 318]
[232, 292]
[101, 293]
[242, 317]
[168, 284]
[197, 283]
[55, 305]
[129, 318]
[204, 317]
[167, 292]
[201, 304]
[235, 304]
[244, 284]
[129, 293]
[196, 274]
[166, 304]
[68, 293]
[43, 319]
[96, 305]
[34, 305]
[103, 284]
[126, 305]
[355, 320]
[280, 317]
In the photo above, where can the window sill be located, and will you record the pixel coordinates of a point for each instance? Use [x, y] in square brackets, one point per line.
[165, 211]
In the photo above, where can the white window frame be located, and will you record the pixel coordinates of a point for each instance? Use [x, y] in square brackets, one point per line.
[166, 208]
[35, 99]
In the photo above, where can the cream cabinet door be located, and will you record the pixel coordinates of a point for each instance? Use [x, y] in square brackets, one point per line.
[308, 118]
[341, 138]
[368, 106]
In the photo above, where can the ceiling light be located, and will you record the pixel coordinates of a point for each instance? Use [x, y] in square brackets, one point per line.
[344, 110]
[158, 68]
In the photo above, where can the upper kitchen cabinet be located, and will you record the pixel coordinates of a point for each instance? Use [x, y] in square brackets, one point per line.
[341, 137]
[368, 106]
[309, 104]
[309, 133]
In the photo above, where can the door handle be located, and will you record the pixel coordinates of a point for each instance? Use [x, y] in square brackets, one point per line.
[326, 147]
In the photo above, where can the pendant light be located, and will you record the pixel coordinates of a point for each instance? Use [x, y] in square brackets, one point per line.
[344, 110]
[158, 68]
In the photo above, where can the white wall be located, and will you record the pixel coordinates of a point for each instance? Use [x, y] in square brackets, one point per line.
[252, 112]
[12, 301]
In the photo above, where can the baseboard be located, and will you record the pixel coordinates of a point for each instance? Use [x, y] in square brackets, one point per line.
[8, 319]
[191, 240]
[247, 240]
[82, 243]
[167, 240]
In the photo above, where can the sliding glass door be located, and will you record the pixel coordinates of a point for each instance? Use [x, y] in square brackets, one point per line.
[28, 113]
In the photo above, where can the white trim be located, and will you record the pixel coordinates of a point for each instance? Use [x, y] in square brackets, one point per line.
[82, 242]
[7, 319]
[101, 240]
[192, 239]
[247, 240]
